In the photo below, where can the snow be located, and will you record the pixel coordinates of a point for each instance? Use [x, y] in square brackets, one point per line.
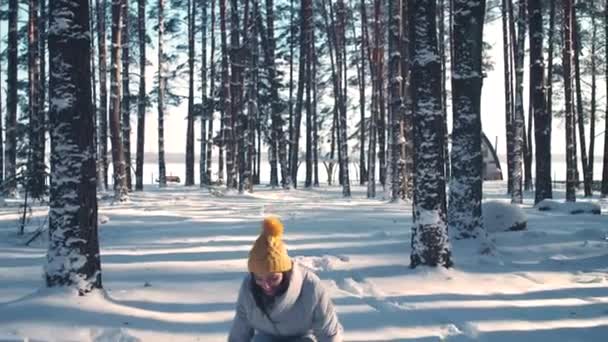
[173, 260]
[502, 216]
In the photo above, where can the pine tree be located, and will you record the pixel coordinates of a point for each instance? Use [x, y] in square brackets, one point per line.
[361, 73]
[207, 110]
[118, 156]
[508, 93]
[1, 128]
[10, 184]
[464, 212]
[141, 99]
[126, 94]
[518, 116]
[407, 148]
[395, 96]
[542, 117]
[605, 161]
[592, 116]
[342, 77]
[190, 119]
[162, 82]
[430, 243]
[210, 105]
[103, 95]
[570, 120]
[227, 131]
[73, 253]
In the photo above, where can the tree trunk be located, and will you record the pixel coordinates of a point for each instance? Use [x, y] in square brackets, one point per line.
[508, 94]
[315, 120]
[162, 178]
[342, 77]
[126, 95]
[248, 121]
[464, 214]
[374, 65]
[1, 129]
[605, 161]
[10, 184]
[444, 92]
[118, 156]
[309, 123]
[306, 19]
[207, 111]
[395, 96]
[542, 117]
[73, 253]
[36, 167]
[103, 95]
[292, 40]
[518, 117]
[236, 86]
[141, 99]
[190, 118]
[210, 106]
[407, 148]
[227, 135]
[579, 114]
[569, 115]
[362, 127]
[430, 242]
[593, 94]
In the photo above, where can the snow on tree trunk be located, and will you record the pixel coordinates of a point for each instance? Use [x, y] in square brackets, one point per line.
[162, 176]
[542, 118]
[592, 117]
[141, 99]
[36, 167]
[430, 242]
[190, 117]
[464, 212]
[126, 95]
[518, 117]
[407, 149]
[73, 253]
[103, 96]
[277, 137]
[309, 124]
[569, 115]
[315, 120]
[10, 184]
[362, 127]
[1, 129]
[118, 156]
[395, 96]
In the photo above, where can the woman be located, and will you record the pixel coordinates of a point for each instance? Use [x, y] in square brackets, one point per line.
[279, 300]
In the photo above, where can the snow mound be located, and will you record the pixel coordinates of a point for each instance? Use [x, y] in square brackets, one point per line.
[103, 219]
[112, 335]
[500, 217]
[321, 264]
[572, 208]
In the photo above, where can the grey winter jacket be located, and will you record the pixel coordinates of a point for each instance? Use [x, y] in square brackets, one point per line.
[304, 309]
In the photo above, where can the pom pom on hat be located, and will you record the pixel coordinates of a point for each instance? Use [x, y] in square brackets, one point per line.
[272, 226]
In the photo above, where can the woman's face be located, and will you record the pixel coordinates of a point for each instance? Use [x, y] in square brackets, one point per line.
[269, 282]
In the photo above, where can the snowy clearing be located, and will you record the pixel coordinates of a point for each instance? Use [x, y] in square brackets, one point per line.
[173, 261]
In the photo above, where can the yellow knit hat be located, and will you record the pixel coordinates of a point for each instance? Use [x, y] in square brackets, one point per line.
[268, 254]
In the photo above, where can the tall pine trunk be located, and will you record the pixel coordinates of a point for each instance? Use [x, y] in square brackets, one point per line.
[141, 98]
[593, 94]
[430, 242]
[190, 118]
[464, 214]
[10, 184]
[211, 105]
[315, 120]
[126, 94]
[36, 167]
[1, 129]
[579, 113]
[362, 127]
[162, 173]
[605, 161]
[374, 65]
[407, 148]
[103, 95]
[306, 19]
[236, 87]
[508, 66]
[341, 62]
[518, 117]
[444, 92]
[73, 252]
[542, 117]
[207, 110]
[569, 115]
[395, 95]
[227, 131]
[308, 104]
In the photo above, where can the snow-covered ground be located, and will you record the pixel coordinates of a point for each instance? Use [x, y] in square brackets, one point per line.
[173, 260]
